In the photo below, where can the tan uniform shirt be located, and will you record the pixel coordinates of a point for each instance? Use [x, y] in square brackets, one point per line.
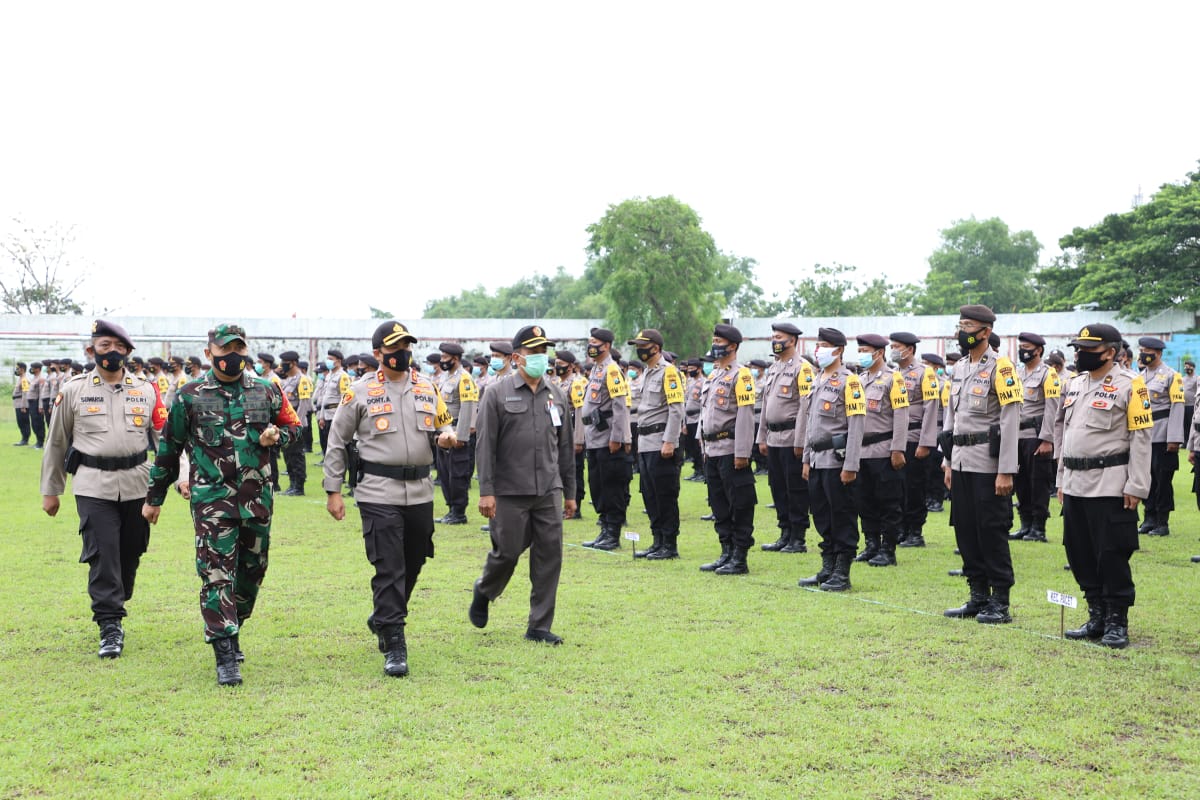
[1189, 389]
[1166, 403]
[1042, 398]
[924, 411]
[21, 389]
[983, 394]
[461, 397]
[606, 395]
[394, 422]
[334, 388]
[524, 442]
[102, 419]
[728, 411]
[837, 408]
[660, 403]
[37, 384]
[691, 406]
[1104, 417]
[887, 412]
[786, 389]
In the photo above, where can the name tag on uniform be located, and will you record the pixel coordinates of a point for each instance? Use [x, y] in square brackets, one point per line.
[555, 417]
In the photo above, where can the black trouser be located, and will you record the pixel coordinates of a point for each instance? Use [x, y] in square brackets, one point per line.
[580, 486]
[37, 421]
[878, 493]
[323, 435]
[1033, 482]
[760, 461]
[732, 497]
[1189, 413]
[833, 511]
[981, 520]
[23, 422]
[789, 490]
[1100, 535]
[398, 539]
[297, 467]
[115, 535]
[454, 470]
[691, 446]
[659, 479]
[308, 429]
[935, 485]
[608, 480]
[916, 487]
[273, 452]
[1162, 470]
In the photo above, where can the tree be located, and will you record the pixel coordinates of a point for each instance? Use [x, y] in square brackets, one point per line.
[560, 295]
[832, 292]
[379, 313]
[35, 278]
[658, 269]
[736, 283]
[1144, 260]
[981, 262]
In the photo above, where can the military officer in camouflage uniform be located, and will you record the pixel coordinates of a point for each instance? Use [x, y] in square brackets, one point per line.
[293, 453]
[395, 414]
[454, 465]
[226, 423]
[1035, 445]
[1104, 433]
[726, 432]
[784, 391]
[606, 439]
[99, 433]
[879, 488]
[921, 384]
[984, 418]
[1166, 398]
[660, 425]
[832, 448]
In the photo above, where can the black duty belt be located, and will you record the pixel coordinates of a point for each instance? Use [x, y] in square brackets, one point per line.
[112, 463]
[657, 427]
[1097, 462]
[1033, 422]
[837, 441]
[718, 436]
[875, 438]
[596, 417]
[912, 426]
[328, 406]
[964, 439]
[776, 427]
[1161, 414]
[400, 473]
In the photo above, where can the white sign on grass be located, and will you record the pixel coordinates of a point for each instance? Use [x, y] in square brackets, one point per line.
[633, 537]
[1060, 599]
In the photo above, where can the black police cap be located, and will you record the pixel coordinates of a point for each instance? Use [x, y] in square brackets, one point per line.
[289, 355]
[531, 336]
[390, 333]
[831, 336]
[303, 364]
[1152, 343]
[195, 361]
[905, 338]
[1031, 338]
[872, 340]
[786, 327]
[603, 334]
[647, 336]
[728, 333]
[451, 349]
[1092, 335]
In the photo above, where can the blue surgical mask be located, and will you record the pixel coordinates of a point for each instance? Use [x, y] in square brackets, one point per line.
[476, 371]
[429, 369]
[329, 363]
[491, 370]
[258, 368]
[941, 370]
[825, 356]
[631, 374]
[536, 364]
[707, 367]
[496, 364]
[865, 360]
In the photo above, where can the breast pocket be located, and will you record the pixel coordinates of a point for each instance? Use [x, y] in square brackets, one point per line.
[91, 418]
[209, 429]
[977, 403]
[516, 407]
[1100, 420]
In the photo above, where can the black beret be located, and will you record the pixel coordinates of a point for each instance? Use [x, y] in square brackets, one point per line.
[22, 365]
[104, 328]
[353, 359]
[1032, 338]
[933, 358]
[289, 355]
[302, 364]
[75, 365]
[951, 357]
[267, 357]
[48, 362]
[1189, 363]
[994, 340]
[35, 365]
[480, 360]
[786, 327]
[669, 356]
[616, 354]
[66, 362]
[565, 355]
[155, 360]
[531, 336]
[728, 333]
[1149, 342]
[603, 334]
[336, 354]
[758, 362]
[904, 337]
[832, 336]
[141, 362]
[872, 340]
[433, 358]
[195, 361]
[369, 361]
[504, 348]
[389, 333]
[321, 367]
[977, 313]
[451, 349]
[89, 366]
[706, 358]
[647, 336]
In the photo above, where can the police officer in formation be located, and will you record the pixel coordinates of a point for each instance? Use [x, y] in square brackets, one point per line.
[395, 414]
[606, 439]
[293, 453]
[785, 390]
[33, 402]
[333, 388]
[983, 417]
[1190, 380]
[935, 487]
[1035, 446]
[924, 412]
[21, 389]
[573, 382]
[1165, 386]
[456, 464]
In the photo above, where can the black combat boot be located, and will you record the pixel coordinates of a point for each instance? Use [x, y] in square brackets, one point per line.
[237, 649]
[886, 557]
[1161, 528]
[996, 611]
[669, 549]
[228, 671]
[871, 550]
[916, 538]
[1037, 532]
[780, 543]
[112, 638]
[1023, 531]
[736, 564]
[976, 602]
[654, 548]
[1116, 627]
[795, 541]
[1148, 524]
[722, 560]
[1093, 628]
[610, 538]
[395, 656]
[478, 612]
[827, 562]
[839, 581]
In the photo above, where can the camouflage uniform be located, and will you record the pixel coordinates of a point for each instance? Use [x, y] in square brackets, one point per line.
[218, 424]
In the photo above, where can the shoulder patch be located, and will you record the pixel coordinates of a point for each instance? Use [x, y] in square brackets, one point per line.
[1137, 412]
[1007, 384]
[744, 387]
[348, 397]
[1052, 385]
[1177, 388]
[899, 393]
[805, 378]
[672, 385]
[468, 392]
[929, 385]
[617, 386]
[856, 404]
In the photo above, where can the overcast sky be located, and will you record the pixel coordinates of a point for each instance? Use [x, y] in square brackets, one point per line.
[271, 159]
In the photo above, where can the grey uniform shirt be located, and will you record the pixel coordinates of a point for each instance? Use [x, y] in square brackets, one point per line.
[660, 403]
[524, 445]
[335, 385]
[975, 406]
[887, 413]
[603, 409]
[461, 396]
[786, 388]
[1189, 389]
[1042, 398]
[836, 408]
[101, 419]
[728, 408]
[924, 404]
[691, 405]
[37, 383]
[394, 422]
[1166, 403]
[19, 382]
[1105, 417]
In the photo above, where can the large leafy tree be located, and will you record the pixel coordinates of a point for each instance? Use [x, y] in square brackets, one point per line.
[981, 261]
[559, 295]
[1144, 260]
[833, 291]
[658, 269]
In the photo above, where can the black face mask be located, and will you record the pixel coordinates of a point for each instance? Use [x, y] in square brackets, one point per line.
[561, 371]
[778, 347]
[593, 352]
[398, 361]
[286, 366]
[446, 365]
[1086, 361]
[232, 364]
[967, 341]
[1026, 355]
[1145, 359]
[112, 361]
[719, 351]
[645, 353]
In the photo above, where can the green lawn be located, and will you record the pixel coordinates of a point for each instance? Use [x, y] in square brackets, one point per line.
[671, 682]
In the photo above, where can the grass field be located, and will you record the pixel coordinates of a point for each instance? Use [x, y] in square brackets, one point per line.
[671, 682]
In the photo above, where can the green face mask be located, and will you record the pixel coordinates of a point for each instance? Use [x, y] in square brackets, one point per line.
[536, 364]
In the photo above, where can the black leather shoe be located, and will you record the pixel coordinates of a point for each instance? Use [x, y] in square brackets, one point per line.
[777, 545]
[996, 611]
[1159, 530]
[478, 612]
[455, 519]
[1196, 559]
[915, 539]
[20, 444]
[486, 528]
[795, 545]
[545, 637]
[708, 518]
[977, 602]
[954, 573]
[1148, 525]
[935, 508]
[395, 657]
[722, 560]
[112, 639]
